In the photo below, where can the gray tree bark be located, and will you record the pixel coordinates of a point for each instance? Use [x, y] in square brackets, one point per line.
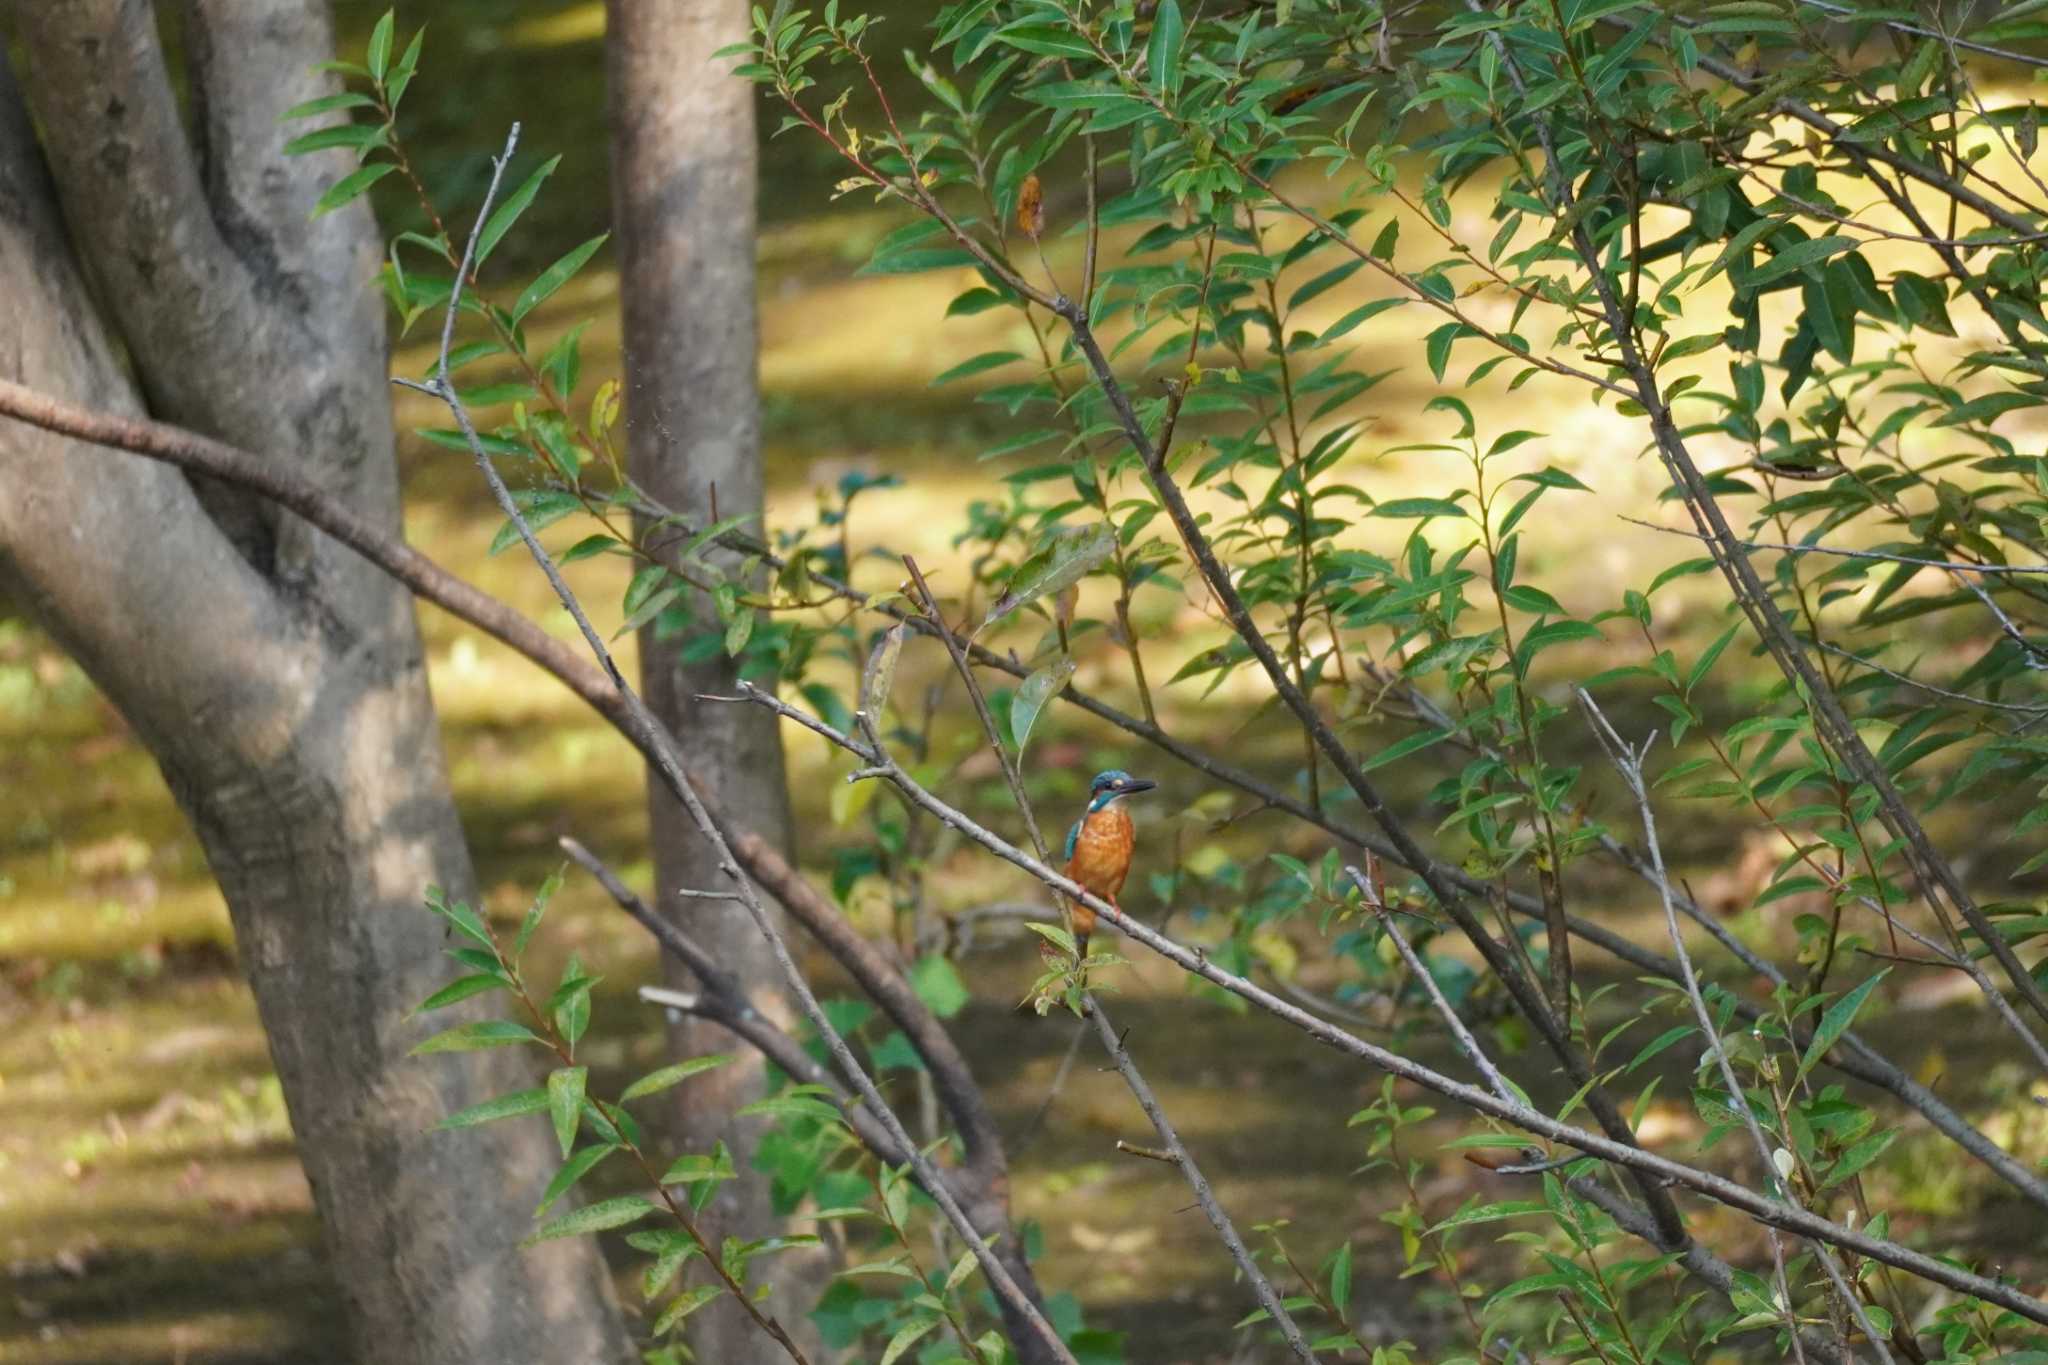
[683, 192]
[277, 678]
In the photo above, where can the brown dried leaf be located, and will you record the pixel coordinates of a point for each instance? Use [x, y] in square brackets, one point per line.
[1030, 207]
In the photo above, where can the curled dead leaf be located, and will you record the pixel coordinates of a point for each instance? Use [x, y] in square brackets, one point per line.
[1030, 207]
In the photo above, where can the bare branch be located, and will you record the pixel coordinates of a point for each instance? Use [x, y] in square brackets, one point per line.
[670, 769]
[1649, 1166]
[1629, 763]
[1176, 1152]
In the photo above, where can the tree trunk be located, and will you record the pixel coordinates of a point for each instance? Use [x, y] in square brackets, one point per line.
[683, 190]
[277, 678]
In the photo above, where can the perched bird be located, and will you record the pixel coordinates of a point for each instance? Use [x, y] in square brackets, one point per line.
[1099, 845]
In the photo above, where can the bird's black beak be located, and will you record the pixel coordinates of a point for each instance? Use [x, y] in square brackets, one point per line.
[1138, 784]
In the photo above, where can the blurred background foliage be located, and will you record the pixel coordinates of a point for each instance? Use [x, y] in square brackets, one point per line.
[150, 1206]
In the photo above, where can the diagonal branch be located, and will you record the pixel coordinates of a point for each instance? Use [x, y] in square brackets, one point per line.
[1629, 763]
[1649, 1167]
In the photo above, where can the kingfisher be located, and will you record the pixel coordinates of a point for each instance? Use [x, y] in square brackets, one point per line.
[1099, 846]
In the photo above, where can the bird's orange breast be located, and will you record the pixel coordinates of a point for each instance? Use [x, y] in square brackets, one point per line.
[1102, 852]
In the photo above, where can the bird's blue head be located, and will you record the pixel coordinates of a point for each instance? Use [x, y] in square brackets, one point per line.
[1115, 783]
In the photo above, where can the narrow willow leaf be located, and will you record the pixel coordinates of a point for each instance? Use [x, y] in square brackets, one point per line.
[554, 277]
[476, 1037]
[907, 1335]
[1032, 695]
[693, 1167]
[507, 213]
[1340, 1279]
[1071, 557]
[351, 187]
[378, 58]
[962, 1268]
[666, 1266]
[979, 364]
[611, 1213]
[461, 988]
[573, 1170]
[1835, 1023]
[1169, 30]
[503, 1107]
[1706, 661]
[686, 1304]
[565, 1103]
[655, 1081]
[534, 912]
[326, 104]
[360, 138]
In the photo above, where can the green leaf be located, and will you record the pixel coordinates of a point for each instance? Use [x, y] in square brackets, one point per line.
[1340, 1278]
[696, 1167]
[326, 104]
[916, 259]
[1535, 601]
[461, 988]
[408, 65]
[1857, 1156]
[565, 1103]
[656, 1081]
[1402, 748]
[987, 360]
[506, 214]
[1835, 1023]
[670, 1260]
[379, 58]
[1054, 934]
[569, 1006]
[611, 1213]
[1799, 256]
[1074, 553]
[937, 983]
[476, 1037]
[790, 1107]
[907, 1335]
[685, 1304]
[572, 1171]
[1553, 633]
[503, 1107]
[554, 277]
[534, 912]
[542, 508]
[1706, 661]
[1032, 695]
[360, 138]
[1046, 40]
[1418, 507]
[1169, 31]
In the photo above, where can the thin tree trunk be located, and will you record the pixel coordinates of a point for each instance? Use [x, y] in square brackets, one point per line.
[277, 678]
[683, 189]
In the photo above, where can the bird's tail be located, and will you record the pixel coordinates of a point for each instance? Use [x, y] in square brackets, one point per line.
[1084, 926]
